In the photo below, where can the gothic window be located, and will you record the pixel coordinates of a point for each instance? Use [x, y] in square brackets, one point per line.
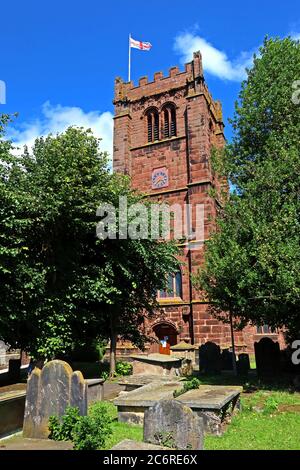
[152, 125]
[169, 121]
[174, 287]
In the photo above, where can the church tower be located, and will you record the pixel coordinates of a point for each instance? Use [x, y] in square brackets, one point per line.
[164, 131]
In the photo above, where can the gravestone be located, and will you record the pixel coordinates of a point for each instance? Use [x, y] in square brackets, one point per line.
[226, 360]
[14, 370]
[243, 364]
[210, 358]
[169, 423]
[267, 357]
[49, 392]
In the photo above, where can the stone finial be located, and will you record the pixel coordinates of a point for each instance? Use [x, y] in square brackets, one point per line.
[197, 59]
[49, 392]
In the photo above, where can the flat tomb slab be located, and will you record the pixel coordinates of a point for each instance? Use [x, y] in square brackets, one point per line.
[132, 382]
[20, 443]
[211, 402]
[156, 358]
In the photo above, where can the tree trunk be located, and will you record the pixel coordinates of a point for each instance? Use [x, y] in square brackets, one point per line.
[233, 347]
[113, 348]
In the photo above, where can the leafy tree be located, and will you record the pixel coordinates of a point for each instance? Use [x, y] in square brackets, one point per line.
[71, 286]
[252, 268]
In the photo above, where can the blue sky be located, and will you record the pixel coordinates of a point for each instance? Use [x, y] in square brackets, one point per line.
[59, 58]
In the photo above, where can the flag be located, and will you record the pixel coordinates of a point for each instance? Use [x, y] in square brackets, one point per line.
[143, 46]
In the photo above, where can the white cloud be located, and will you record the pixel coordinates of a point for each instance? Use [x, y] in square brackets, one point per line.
[56, 118]
[295, 35]
[215, 61]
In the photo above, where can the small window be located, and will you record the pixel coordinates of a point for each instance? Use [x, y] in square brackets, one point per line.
[174, 288]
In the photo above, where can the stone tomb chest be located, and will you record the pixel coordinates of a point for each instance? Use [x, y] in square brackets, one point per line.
[213, 403]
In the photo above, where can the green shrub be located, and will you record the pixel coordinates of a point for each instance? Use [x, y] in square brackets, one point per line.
[61, 429]
[86, 432]
[188, 385]
[123, 368]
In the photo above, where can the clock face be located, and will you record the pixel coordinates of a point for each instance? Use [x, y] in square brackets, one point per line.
[160, 178]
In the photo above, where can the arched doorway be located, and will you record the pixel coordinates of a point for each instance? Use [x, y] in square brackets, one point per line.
[166, 334]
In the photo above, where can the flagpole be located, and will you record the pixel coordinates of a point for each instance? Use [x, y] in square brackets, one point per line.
[129, 57]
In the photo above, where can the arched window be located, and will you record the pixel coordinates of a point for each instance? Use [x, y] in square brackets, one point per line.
[152, 125]
[174, 287]
[169, 116]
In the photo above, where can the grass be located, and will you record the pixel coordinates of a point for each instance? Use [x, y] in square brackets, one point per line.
[268, 421]
[121, 431]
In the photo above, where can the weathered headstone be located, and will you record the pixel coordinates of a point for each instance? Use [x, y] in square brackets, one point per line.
[49, 392]
[267, 356]
[243, 364]
[169, 423]
[210, 358]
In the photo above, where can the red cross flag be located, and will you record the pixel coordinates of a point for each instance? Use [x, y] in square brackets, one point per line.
[143, 46]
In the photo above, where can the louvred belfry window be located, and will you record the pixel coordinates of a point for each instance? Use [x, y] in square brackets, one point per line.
[152, 125]
[169, 116]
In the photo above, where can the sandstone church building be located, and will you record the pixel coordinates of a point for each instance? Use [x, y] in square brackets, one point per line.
[164, 131]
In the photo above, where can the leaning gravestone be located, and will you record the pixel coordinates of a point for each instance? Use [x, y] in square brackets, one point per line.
[169, 423]
[49, 392]
[210, 358]
[267, 357]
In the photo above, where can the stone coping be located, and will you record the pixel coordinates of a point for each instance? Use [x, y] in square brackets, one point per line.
[94, 381]
[12, 395]
[213, 397]
[156, 357]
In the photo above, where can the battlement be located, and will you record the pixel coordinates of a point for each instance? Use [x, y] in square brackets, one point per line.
[175, 78]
